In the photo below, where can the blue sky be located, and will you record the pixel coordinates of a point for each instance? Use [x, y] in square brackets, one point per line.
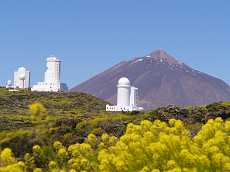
[90, 36]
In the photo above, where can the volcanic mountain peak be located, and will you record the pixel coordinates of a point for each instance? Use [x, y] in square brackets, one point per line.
[161, 79]
[162, 56]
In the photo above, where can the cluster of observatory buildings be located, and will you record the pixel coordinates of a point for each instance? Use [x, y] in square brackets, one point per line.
[51, 83]
[127, 95]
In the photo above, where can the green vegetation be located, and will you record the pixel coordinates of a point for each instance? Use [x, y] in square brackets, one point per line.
[148, 147]
[59, 114]
[28, 119]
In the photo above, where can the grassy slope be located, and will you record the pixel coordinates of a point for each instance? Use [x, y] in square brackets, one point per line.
[16, 124]
[72, 116]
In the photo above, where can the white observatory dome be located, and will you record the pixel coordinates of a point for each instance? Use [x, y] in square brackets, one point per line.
[124, 81]
[22, 73]
[123, 92]
[22, 69]
[22, 76]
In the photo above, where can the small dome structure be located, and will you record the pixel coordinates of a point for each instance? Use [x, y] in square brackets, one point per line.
[22, 69]
[22, 73]
[52, 58]
[22, 76]
[124, 81]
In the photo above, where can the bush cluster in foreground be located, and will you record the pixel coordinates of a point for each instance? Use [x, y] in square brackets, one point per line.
[148, 147]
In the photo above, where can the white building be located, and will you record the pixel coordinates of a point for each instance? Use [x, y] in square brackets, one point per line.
[52, 81]
[127, 97]
[123, 92]
[9, 84]
[21, 78]
[133, 96]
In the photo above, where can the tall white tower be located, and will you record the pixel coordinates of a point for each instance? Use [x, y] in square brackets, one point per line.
[52, 81]
[123, 92]
[127, 97]
[22, 78]
[133, 97]
[52, 74]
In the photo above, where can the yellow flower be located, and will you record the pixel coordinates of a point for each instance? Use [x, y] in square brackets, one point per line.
[37, 170]
[62, 153]
[171, 164]
[57, 145]
[7, 156]
[37, 149]
[52, 164]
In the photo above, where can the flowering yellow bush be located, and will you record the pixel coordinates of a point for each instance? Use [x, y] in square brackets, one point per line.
[37, 111]
[148, 147]
[8, 162]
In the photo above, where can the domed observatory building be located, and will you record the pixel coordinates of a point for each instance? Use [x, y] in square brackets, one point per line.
[52, 77]
[22, 78]
[123, 92]
[127, 97]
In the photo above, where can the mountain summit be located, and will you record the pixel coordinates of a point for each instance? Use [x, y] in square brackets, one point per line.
[163, 56]
[161, 79]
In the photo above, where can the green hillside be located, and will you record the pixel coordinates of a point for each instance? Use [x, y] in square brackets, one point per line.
[16, 125]
[56, 103]
[72, 116]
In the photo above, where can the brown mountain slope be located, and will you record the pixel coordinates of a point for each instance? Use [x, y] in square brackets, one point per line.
[161, 79]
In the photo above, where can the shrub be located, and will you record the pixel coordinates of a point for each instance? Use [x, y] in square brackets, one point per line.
[148, 147]
[37, 111]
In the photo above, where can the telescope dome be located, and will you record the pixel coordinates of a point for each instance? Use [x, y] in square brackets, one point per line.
[124, 81]
[22, 76]
[21, 69]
